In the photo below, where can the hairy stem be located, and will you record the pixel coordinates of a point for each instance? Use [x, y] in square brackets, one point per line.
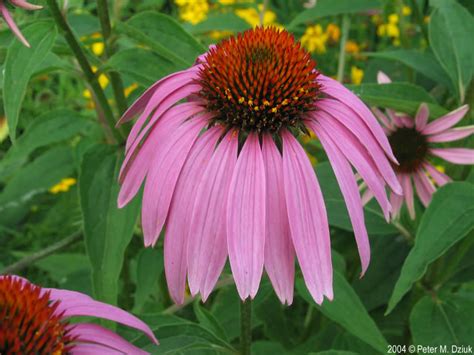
[89, 75]
[31, 259]
[245, 327]
[346, 23]
[115, 79]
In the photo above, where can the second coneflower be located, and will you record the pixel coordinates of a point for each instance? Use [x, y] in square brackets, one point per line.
[9, 20]
[227, 176]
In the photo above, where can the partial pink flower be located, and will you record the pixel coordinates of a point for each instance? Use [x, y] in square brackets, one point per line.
[225, 173]
[414, 142]
[9, 20]
[36, 320]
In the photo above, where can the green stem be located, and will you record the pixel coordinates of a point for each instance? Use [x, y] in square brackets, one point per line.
[115, 79]
[420, 20]
[245, 327]
[89, 75]
[346, 22]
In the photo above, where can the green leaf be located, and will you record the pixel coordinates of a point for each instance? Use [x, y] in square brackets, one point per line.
[207, 320]
[447, 321]
[337, 210]
[325, 8]
[21, 62]
[142, 65]
[149, 269]
[450, 30]
[449, 217]
[221, 22]
[47, 169]
[49, 128]
[347, 310]
[403, 97]
[107, 229]
[61, 266]
[165, 36]
[334, 352]
[423, 62]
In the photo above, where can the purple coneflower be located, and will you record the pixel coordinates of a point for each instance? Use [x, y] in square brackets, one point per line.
[36, 320]
[9, 20]
[413, 141]
[226, 174]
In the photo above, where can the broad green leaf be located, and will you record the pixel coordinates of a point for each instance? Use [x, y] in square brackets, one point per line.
[107, 229]
[446, 321]
[450, 30]
[347, 310]
[334, 352]
[165, 36]
[336, 207]
[263, 347]
[423, 62]
[142, 65]
[325, 8]
[208, 321]
[62, 266]
[47, 169]
[449, 217]
[403, 97]
[221, 22]
[49, 128]
[20, 64]
[149, 269]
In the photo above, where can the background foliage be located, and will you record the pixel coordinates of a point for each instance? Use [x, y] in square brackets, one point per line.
[59, 165]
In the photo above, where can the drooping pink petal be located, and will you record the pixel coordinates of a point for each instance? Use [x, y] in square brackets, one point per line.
[383, 78]
[440, 178]
[359, 158]
[451, 135]
[279, 250]
[74, 305]
[95, 334]
[455, 155]
[179, 219]
[11, 23]
[207, 245]
[350, 192]
[424, 187]
[396, 119]
[246, 218]
[421, 118]
[367, 196]
[25, 5]
[340, 92]
[352, 122]
[161, 104]
[161, 180]
[408, 194]
[166, 86]
[308, 219]
[93, 349]
[407, 121]
[446, 121]
[386, 121]
[396, 202]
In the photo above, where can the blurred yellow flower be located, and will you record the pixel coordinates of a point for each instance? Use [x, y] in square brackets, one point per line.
[426, 19]
[193, 11]
[333, 33]
[393, 19]
[3, 128]
[352, 47]
[226, 2]
[63, 185]
[406, 10]
[314, 39]
[128, 90]
[103, 80]
[218, 35]
[252, 16]
[98, 46]
[357, 75]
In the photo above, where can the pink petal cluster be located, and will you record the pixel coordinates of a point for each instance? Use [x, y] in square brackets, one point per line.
[440, 130]
[9, 20]
[91, 338]
[259, 204]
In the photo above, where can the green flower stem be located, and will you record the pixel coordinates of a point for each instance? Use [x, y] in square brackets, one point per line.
[115, 79]
[346, 23]
[246, 327]
[91, 78]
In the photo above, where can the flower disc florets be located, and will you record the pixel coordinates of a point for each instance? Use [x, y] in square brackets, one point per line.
[261, 80]
[29, 323]
[409, 147]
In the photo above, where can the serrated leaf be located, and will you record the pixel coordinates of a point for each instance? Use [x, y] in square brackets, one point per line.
[21, 62]
[448, 219]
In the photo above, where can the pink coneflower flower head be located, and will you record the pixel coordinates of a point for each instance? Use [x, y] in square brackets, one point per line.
[36, 320]
[226, 174]
[414, 142]
[9, 20]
